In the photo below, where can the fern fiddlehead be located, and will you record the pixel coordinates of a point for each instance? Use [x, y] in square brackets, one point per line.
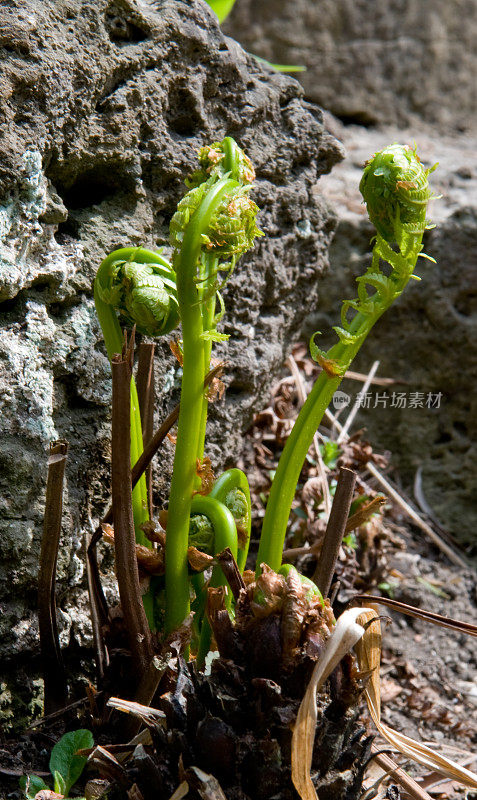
[139, 285]
[213, 225]
[396, 191]
[232, 489]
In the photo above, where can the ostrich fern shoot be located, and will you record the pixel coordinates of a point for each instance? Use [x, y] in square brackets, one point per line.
[396, 191]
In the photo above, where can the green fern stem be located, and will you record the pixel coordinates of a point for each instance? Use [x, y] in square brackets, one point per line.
[236, 166]
[190, 415]
[207, 298]
[335, 363]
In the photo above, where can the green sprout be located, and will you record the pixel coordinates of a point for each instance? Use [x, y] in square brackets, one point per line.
[65, 766]
[396, 191]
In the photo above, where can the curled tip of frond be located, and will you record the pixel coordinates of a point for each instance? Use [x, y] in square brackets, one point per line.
[221, 159]
[201, 533]
[232, 228]
[144, 294]
[396, 191]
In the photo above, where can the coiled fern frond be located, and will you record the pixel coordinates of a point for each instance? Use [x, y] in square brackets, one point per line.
[231, 230]
[396, 191]
[215, 224]
[144, 294]
[140, 285]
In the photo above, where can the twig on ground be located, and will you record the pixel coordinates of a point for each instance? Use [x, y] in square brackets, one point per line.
[335, 530]
[147, 715]
[398, 774]
[418, 613]
[357, 404]
[425, 507]
[145, 393]
[296, 552]
[53, 668]
[360, 376]
[124, 535]
[454, 557]
[301, 391]
[57, 714]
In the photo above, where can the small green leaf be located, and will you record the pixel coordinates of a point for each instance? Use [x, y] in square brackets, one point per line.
[345, 336]
[315, 351]
[350, 541]
[59, 784]
[330, 451]
[31, 785]
[214, 336]
[64, 759]
[388, 587]
[434, 589]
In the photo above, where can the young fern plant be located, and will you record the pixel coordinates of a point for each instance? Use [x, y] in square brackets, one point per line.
[140, 286]
[396, 191]
[213, 226]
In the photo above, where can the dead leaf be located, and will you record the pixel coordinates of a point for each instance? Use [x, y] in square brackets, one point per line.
[150, 561]
[198, 560]
[344, 636]
[48, 794]
[154, 533]
[176, 351]
[368, 650]
[206, 785]
[134, 793]
[206, 475]
[180, 792]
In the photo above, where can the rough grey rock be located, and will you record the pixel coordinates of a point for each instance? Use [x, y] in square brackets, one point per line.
[104, 105]
[401, 61]
[427, 340]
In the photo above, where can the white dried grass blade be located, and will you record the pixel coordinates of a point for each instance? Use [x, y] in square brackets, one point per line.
[145, 713]
[368, 650]
[344, 636]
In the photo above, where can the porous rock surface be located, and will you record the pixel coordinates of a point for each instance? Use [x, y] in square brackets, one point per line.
[427, 339]
[402, 61]
[103, 107]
